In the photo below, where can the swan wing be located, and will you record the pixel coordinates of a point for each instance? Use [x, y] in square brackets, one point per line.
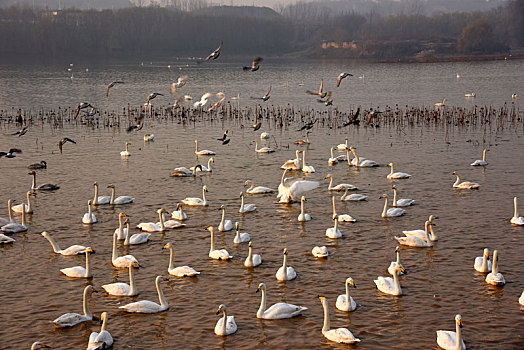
[75, 271]
[496, 279]
[139, 238]
[412, 241]
[415, 233]
[149, 227]
[119, 289]
[341, 335]
[183, 271]
[70, 319]
[283, 310]
[448, 340]
[298, 187]
[92, 339]
[395, 212]
[517, 220]
[104, 340]
[74, 250]
[384, 284]
[123, 200]
[143, 306]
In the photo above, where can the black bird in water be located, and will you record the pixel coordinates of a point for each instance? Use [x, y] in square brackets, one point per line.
[265, 97]
[41, 165]
[139, 124]
[353, 120]
[80, 106]
[10, 153]
[254, 66]
[224, 137]
[111, 85]
[256, 124]
[64, 140]
[213, 55]
[23, 130]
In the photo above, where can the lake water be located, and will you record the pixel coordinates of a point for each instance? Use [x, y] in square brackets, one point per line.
[440, 283]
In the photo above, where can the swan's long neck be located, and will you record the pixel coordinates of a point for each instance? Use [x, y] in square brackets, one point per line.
[347, 293]
[181, 211]
[396, 282]
[332, 156]
[282, 179]
[484, 262]
[204, 196]
[161, 296]
[95, 198]
[256, 146]
[304, 159]
[398, 257]
[391, 173]
[212, 239]
[356, 157]
[249, 254]
[242, 203]
[126, 146]
[345, 194]
[334, 209]
[170, 258]
[224, 214]
[330, 183]
[394, 197]
[284, 267]
[327, 324]
[224, 321]
[104, 321]
[484, 155]
[302, 208]
[87, 312]
[112, 196]
[23, 216]
[132, 280]
[384, 212]
[335, 228]
[55, 246]
[33, 186]
[426, 232]
[28, 203]
[209, 164]
[296, 156]
[516, 214]
[10, 211]
[88, 265]
[432, 233]
[459, 336]
[237, 236]
[114, 255]
[89, 211]
[120, 225]
[494, 264]
[251, 187]
[262, 308]
[161, 219]
[457, 181]
[128, 232]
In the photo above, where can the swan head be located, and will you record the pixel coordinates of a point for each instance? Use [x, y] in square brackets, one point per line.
[159, 211]
[383, 196]
[285, 251]
[167, 246]
[204, 188]
[335, 216]
[241, 194]
[261, 286]
[196, 141]
[303, 199]
[351, 148]
[237, 225]
[351, 282]
[250, 244]
[126, 221]
[32, 172]
[432, 217]
[222, 208]
[89, 203]
[486, 253]
[455, 173]
[161, 278]
[458, 319]
[90, 288]
[394, 187]
[397, 249]
[246, 183]
[122, 214]
[89, 250]
[209, 228]
[128, 143]
[110, 186]
[327, 176]
[390, 164]
[212, 160]
[95, 184]
[45, 234]
[399, 268]
[221, 308]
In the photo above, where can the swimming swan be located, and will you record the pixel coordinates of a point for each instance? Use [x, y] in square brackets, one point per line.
[146, 306]
[194, 201]
[355, 197]
[303, 216]
[154, 227]
[221, 254]
[203, 152]
[72, 250]
[482, 162]
[185, 172]
[343, 217]
[465, 185]
[495, 277]
[263, 149]
[100, 200]
[179, 213]
[43, 187]
[121, 199]
[516, 219]
[292, 188]
[226, 325]
[225, 225]
[179, 271]
[334, 232]
[422, 233]
[342, 300]
[14, 227]
[391, 212]
[26, 207]
[252, 260]
[257, 189]
[285, 273]
[10, 220]
[292, 164]
[403, 202]
[6, 239]
[123, 289]
[482, 263]
[390, 285]
[332, 160]
[121, 231]
[126, 152]
[338, 187]
[276, 311]
[102, 340]
[89, 218]
[397, 175]
[70, 319]
[137, 238]
[415, 241]
[339, 335]
[121, 261]
[240, 237]
[246, 208]
[450, 340]
[361, 162]
[320, 252]
[199, 168]
[306, 168]
[394, 264]
[80, 271]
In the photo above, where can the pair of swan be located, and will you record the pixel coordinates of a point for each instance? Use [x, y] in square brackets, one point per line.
[185, 172]
[422, 233]
[495, 277]
[27, 208]
[225, 224]
[246, 208]
[320, 252]
[226, 325]
[450, 340]
[218, 254]
[339, 335]
[121, 261]
[43, 187]
[292, 164]
[203, 152]
[71, 319]
[72, 250]
[252, 260]
[292, 188]
[354, 197]
[146, 306]
[258, 189]
[102, 340]
[481, 162]
[13, 226]
[100, 200]
[465, 185]
[80, 271]
[343, 217]
[306, 168]
[276, 311]
[516, 219]
[179, 271]
[415, 240]
[390, 285]
[263, 149]
[338, 187]
[240, 237]
[482, 263]
[397, 175]
[179, 213]
[195, 201]
[123, 289]
[394, 264]
[126, 152]
[360, 162]
[285, 273]
[207, 169]
[391, 212]
[402, 202]
[303, 216]
[160, 226]
[334, 232]
[89, 218]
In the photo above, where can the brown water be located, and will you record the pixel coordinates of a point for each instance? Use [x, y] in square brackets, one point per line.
[441, 281]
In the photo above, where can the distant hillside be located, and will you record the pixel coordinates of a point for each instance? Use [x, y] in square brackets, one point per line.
[65, 4]
[238, 11]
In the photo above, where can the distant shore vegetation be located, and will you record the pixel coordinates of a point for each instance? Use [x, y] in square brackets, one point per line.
[296, 31]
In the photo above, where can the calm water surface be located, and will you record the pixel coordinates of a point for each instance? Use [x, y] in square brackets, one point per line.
[441, 281]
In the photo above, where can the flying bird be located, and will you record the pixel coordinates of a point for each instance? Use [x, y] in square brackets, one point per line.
[91, 113]
[319, 93]
[152, 96]
[81, 106]
[138, 126]
[213, 55]
[265, 97]
[111, 85]
[203, 100]
[342, 76]
[10, 153]
[177, 102]
[23, 130]
[64, 140]
[219, 103]
[254, 65]
[225, 142]
[328, 101]
[180, 82]
[372, 113]
[224, 137]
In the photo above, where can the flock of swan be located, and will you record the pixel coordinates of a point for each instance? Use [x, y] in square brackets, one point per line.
[291, 189]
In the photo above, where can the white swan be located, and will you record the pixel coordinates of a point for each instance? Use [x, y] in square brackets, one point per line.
[80, 271]
[26, 207]
[306, 168]
[291, 188]
[102, 340]
[263, 149]
[126, 152]
[149, 137]
[470, 94]
[6, 239]
[137, 238]
[100, 200]
[225, 224]
[179, 213]
[265, 135]
[450, 340]
[246, 208]
[394, 264]
[360, 161]
[169, 224]
[276, 311]
[121, 261]
[14, 227]
[516, 219]
[390, 285]
[72, 250]
[225, 325]
[391, 212]
[397, 175]
[422, 233]
[89, 218]
[495, 277]
[303, 216]
[154, 227]
[292, 164]
[345, 302]
[179, 271]
[338, 187]
[252, 260]
[10, 220]
[343, 146]
[332, 160]
[257, 189]
[123, 289]
[441, 104]
[203, 152]
[355, 197]
[120, 199]
[339, 335]
[415, 241]
[285, 273]
[343, 217]
[70, 319]
[203, 167]
[221, 254]
[195, 201]
[240, 237]
[334, 232]
[320, 252]
[465, 185]
[403, 202]
[185, 172]
[482, 263]
[146, 306]
[121, 231]
[481, 162]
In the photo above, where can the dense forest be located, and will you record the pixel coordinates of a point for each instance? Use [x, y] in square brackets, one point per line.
[298, 29]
